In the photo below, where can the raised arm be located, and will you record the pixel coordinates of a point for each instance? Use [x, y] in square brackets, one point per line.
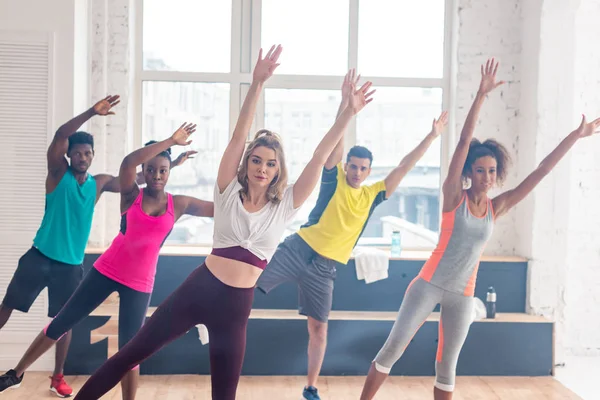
[452, 187]
[310, 175]
[112, 184]
[505, 201]
[127, 172]
[408, 162]
[235, 149]
[57, 164]
[337, 154]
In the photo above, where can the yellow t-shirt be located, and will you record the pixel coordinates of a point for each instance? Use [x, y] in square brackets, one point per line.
[340, 215]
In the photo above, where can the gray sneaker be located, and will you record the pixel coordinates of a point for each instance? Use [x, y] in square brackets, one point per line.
[311, 393]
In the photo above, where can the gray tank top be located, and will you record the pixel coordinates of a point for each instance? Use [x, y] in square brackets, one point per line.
[454, 263]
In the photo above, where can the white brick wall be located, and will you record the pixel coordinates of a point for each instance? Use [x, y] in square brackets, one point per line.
[551, 207]
[492, 29]
[110, 74]
[582, 298]
[564, 274]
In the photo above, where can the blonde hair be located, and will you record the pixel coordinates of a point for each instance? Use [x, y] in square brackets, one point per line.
[272, 141]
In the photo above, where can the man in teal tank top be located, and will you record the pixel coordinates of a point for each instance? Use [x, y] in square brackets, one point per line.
[55, 259]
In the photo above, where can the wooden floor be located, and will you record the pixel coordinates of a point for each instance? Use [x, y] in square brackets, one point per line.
[193, 387]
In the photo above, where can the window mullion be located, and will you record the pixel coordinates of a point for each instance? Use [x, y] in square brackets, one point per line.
[350, 137]
[259, 118]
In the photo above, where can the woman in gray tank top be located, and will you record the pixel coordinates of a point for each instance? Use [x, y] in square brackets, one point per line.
[448, 277]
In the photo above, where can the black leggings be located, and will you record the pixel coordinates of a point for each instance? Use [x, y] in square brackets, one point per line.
[201, 299]
[94, 289]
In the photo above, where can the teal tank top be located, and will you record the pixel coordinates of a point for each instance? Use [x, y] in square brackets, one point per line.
[67, 220]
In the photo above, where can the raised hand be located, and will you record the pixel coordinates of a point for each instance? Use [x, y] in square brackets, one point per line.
[183, 157]
[266, 66]
[488, 77]
[182, 134]
[104, 106]
[439, 125]
[588, 128]
[349, 80]
[360, 98]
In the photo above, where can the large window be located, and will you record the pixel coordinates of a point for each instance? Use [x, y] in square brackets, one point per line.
[195, 65]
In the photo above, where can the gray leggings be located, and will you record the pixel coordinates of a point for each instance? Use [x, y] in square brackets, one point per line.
[419, 301]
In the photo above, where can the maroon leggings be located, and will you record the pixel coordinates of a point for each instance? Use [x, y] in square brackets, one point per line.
[201, 299]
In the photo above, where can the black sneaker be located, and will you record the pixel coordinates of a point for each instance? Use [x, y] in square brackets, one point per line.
[311, 393]
[10, 380]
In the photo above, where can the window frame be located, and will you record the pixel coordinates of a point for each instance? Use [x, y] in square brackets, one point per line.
[246, 23]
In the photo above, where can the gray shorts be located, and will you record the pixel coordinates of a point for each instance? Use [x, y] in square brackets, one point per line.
[294, 260]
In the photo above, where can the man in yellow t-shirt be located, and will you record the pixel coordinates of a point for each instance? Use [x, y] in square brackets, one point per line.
[310, 256]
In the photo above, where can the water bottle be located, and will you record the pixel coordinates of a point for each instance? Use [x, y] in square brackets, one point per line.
[490, 304]
[396, 248]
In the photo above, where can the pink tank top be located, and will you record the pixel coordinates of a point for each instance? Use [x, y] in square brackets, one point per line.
[132, 256]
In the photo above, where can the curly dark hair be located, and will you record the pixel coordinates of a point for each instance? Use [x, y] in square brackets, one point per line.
[491, 148]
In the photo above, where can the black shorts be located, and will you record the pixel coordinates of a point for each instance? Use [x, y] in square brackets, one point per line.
[34, 273]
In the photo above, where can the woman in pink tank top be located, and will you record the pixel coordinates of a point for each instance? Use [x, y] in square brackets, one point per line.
[129, 265]
[448, 277]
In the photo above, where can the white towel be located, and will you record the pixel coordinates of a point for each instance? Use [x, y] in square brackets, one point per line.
[479, 311]
[371, 264]
[202, 334]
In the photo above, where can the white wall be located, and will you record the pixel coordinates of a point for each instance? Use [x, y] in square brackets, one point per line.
[59, 18]
[548, 54]
[550, 214]
[111, 73]
[582, 290]
[492, 29]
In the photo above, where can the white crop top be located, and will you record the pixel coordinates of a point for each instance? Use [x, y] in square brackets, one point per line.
[259, 232]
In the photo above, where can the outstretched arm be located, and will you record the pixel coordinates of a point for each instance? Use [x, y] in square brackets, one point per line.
[127, 172]
[337, 154]
[505, 201]
[310, 175]
[111, 184]
[408, 162]
[235, 149]
[57, 164]
[452, 187]
[193, 206]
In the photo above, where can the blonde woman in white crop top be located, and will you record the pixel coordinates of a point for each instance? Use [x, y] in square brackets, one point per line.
[253, 202]
[253, 205]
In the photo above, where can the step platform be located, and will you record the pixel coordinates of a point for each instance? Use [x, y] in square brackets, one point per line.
[512, 344]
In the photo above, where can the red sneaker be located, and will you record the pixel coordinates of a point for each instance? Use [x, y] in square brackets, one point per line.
[59, 386]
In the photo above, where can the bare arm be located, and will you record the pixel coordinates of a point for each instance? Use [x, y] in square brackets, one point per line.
[235, 149]
[193, 206]
[408, 162]
[337, 154]
[127, 172]
[452, 187]
[310, 175]
[505, 201]
[112, 184]
[57, 164]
